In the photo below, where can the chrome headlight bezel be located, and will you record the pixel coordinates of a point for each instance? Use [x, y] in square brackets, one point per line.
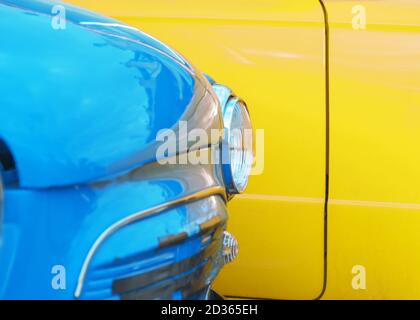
[237, 149]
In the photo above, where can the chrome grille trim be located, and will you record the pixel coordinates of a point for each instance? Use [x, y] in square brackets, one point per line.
[215, 190]
[138, 283]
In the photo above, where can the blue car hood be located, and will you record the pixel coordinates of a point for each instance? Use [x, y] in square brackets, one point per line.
[77, 102]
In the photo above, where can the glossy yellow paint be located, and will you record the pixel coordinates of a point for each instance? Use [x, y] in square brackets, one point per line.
[271, 52]
[374, 206]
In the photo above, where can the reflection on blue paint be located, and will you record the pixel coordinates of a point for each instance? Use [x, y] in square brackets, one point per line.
[76, 101]
[74, 104]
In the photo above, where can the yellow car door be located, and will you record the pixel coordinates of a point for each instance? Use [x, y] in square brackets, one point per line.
[374, 203]
[271, 53]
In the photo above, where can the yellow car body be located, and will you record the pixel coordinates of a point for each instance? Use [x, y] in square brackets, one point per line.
[336, 87]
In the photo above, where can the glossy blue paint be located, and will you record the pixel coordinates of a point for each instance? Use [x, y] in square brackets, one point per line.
[75, 102]
[79, 107]
[44, 228]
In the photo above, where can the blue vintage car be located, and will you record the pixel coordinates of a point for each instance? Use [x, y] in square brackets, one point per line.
[87, 209]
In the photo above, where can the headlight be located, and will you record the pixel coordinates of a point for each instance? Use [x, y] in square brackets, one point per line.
[237, 148]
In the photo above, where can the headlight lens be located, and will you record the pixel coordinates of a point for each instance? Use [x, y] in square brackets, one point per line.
[237, 149]
[238, 130]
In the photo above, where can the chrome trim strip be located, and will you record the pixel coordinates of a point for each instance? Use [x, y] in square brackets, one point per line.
[160, 277]
[215, 190]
